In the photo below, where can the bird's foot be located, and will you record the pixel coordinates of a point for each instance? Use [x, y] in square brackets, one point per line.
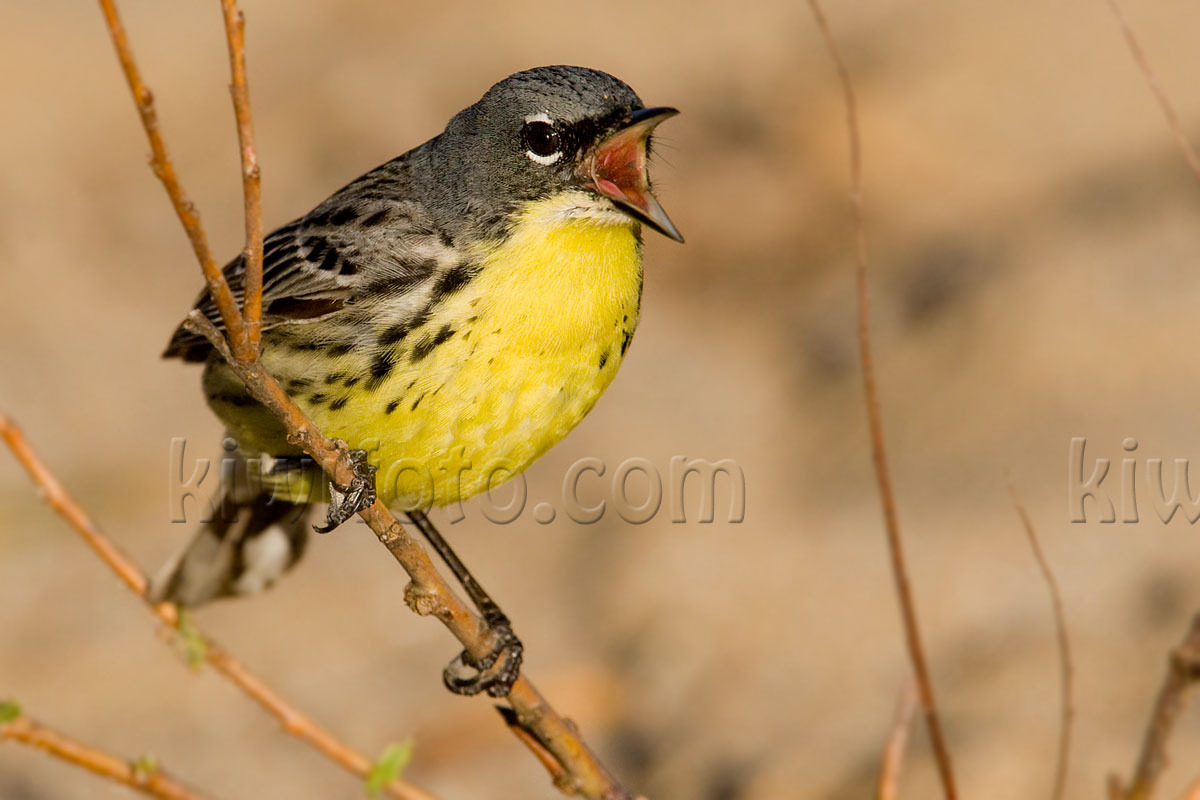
[496, 672]
[346, 501]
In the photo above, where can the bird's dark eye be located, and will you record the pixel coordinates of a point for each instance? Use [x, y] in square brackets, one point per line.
[541, 139]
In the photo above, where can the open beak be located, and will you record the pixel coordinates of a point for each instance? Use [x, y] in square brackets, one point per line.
[617, 170]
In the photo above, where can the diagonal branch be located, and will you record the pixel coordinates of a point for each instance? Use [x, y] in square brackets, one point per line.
[428, 593]
[908, 611]
[1066, 664]
[145, 777]
[1139, 56]
[888, 786]
[1183, 674]
[293, 721]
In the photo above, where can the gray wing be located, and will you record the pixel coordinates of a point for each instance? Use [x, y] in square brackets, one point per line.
[361, 244]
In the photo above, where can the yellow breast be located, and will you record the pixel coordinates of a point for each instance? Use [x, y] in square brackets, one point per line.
[515, 360]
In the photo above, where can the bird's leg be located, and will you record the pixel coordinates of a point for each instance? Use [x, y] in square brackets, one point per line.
[495, 672]
[346, 501]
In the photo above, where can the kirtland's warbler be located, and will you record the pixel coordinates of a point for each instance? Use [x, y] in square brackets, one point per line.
[453, 313]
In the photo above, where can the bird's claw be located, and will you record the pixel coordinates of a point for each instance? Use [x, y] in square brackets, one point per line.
[346, 501]
[494, 673]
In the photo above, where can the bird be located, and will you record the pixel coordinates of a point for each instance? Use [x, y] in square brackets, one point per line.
[451, 315]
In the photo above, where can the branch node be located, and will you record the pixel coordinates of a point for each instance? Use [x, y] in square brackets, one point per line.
[420, 600]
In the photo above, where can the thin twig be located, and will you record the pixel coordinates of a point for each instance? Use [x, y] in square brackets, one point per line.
[1183, 673]
[146, 778]
[293, 721]
[252, 255]
[558, 775]
[1160, 93]
[888, 787]
[912, 632]
[428, 593]
[218, 287]
[58, 499]
[1184, 669]
[1066, 664]
[1184, 663]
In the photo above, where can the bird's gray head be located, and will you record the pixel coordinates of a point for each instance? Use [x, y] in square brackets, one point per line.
[550, 130]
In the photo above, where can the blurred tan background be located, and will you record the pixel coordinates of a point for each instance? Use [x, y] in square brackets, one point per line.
[1034, 241]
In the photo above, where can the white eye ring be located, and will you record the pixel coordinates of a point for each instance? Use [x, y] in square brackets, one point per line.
[545, 161]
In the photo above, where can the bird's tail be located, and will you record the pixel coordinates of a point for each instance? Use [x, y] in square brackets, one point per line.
[253, 538]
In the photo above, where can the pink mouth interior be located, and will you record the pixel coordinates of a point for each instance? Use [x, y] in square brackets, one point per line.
[619, 168]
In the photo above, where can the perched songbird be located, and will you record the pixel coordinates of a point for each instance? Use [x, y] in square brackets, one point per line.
[453, 313]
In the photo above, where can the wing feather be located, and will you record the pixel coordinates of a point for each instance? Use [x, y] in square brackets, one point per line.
[355, 247]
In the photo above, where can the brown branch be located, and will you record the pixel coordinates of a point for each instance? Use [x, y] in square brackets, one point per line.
[1184, 663]
[560, 777]
[908, 612]
[293, 721]
[218, 287]
[1066, 664]
[252, 255]
[428, 593]
[1183, 673]
[57, 498]
[888, 787]
[149, 780]
[1139, 56]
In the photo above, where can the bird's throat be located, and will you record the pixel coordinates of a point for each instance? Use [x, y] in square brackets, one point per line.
[568, 273]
